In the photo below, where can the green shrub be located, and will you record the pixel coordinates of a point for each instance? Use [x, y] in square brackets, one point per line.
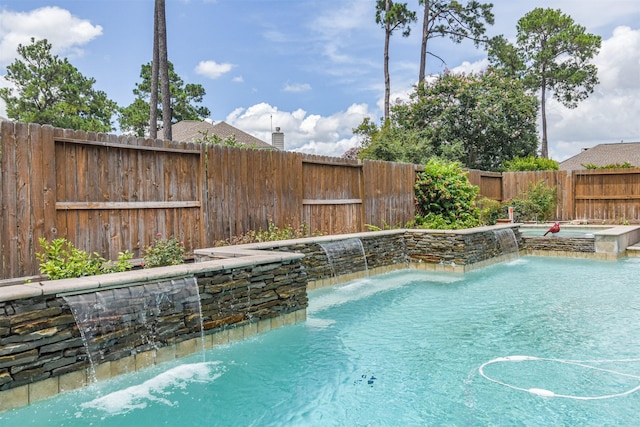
[491, 210]
[538, 203]
[164, 252]
[123, 263]
[60, 259]
[273, 233]
[444, 197]
[530, 163]
[625, 165]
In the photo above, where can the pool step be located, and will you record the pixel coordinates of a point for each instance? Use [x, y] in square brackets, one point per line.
[633, 250]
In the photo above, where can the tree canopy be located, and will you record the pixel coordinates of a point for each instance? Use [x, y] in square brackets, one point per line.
[446, 18]
[552, 53]
[480, 120]
[184, 98]
[49, 90]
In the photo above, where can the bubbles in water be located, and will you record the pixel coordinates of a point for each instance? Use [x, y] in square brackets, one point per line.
[157, 389]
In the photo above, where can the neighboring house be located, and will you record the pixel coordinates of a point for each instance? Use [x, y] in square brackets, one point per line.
[603, 155]
[192, 130]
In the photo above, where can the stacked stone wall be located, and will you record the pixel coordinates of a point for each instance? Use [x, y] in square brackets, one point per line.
[380, 251]
[558, 244]
[450, 248]
[39, 338]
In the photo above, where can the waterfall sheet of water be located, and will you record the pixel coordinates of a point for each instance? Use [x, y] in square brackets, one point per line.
[115, 323]
[340, 255]
[507, 242]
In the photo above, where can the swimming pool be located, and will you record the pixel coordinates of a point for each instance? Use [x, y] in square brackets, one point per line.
[405, 348]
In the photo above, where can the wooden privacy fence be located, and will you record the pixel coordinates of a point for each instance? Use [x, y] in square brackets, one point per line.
[109, 193]
[611, 195]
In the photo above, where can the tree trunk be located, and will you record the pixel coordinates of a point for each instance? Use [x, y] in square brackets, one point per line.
[153, 100]
[164, 71]
[387, 81]
[544, 151]
[425, 33]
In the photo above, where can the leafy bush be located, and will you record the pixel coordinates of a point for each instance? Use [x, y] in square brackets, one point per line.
[625, 165]
[214, 139]
[60, 259]
[123, 263]
[273, 233]
[491, 210]
[530, 163]
[538, 203]
[444, 197]
[164, 252]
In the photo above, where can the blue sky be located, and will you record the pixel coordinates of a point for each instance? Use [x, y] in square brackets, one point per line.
[314, 68]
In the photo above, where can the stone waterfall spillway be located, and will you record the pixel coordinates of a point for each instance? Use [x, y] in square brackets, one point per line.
[341, 253]
[507, 242]
[120, 322]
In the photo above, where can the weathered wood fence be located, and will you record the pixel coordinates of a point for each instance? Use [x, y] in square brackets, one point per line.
[109, 193]
[611, 195]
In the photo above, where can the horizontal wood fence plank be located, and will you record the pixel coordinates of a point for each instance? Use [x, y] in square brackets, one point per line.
[126, 205]
[130, 147]
[609, 197]
[328, 163]
[331, 202]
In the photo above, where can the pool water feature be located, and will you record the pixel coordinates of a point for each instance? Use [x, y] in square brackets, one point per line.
[125, 321]
[507, 242]
[336, 251]
[404, 348]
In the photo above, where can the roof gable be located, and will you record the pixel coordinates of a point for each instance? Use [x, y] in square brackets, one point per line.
[603, 155]
[192, 130]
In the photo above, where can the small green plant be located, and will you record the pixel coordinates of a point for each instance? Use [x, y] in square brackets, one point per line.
[625, 165]
[164, 252]
[271, 234]
[491, 210]
[60, 259]
[123, 263]
[214, 139]
[385, 226]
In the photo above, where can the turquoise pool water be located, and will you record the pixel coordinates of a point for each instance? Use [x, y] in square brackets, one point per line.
[405, 349]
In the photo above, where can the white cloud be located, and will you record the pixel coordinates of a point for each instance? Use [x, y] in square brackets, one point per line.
[212, 69]
[335, 28]
[471, 67]
[297, 87]
[65, 32]
[238, 79]
[313, 133]
[610, 114]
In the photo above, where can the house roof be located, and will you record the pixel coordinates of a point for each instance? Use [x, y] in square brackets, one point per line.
[603, 155]
[191, 130]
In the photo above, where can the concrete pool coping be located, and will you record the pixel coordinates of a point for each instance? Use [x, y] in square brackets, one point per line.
[242, 257]
[610, 242]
